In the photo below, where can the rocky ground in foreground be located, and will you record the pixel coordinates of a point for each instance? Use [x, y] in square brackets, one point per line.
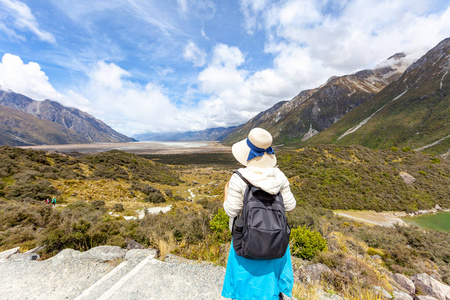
[109, 272]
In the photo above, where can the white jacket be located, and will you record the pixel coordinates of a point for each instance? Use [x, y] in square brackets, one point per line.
[271, 180]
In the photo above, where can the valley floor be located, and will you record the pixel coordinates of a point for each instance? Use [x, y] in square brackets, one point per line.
[138, 147]
[372, 218]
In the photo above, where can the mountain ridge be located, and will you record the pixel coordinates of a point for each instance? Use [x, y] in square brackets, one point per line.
[410, 112]
[314, 110]
[88, 128]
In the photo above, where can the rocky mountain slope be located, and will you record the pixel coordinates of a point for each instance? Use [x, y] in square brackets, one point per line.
[313, 111]
[411, 112]
[85, 127]
[22, 129]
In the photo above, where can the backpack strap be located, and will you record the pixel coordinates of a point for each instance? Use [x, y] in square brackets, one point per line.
[242, 177]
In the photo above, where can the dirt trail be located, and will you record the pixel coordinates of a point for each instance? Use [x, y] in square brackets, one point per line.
[372, 218]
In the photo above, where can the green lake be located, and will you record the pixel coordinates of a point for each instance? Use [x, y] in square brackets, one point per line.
[439, 221]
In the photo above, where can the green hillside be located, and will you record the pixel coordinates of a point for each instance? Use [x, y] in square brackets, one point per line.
[95, 192]
[411, 112]
[355, 177]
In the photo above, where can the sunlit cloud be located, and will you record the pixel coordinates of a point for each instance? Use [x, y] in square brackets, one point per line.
[25, 78]
[23, 19]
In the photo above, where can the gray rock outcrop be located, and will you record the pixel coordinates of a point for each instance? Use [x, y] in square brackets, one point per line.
[313, 272]
[405, 283]
[429, 286]
[25, 256]
[399, 295]
[408, 179]
[424, 297]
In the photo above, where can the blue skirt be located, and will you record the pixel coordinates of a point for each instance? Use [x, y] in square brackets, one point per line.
[248, 279]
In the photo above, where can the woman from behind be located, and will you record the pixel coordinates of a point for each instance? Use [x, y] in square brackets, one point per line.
[248, 278]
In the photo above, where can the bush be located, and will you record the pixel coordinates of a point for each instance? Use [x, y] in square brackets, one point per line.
[118, 207]
[169, 193]
[219, 225]
[306, 243]
[98, 204]
[155, 197]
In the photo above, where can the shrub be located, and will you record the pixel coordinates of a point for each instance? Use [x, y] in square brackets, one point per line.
[169, 193]
[178, 198]
[219, 225]
[98, 204]
[155, 197]
[394, 149]
[118, 207]
[306, 243]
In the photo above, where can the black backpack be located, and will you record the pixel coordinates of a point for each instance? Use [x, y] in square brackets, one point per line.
[261, 231]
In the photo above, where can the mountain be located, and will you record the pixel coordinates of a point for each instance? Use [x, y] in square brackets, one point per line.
[22, 129]
[211, 134]
[314, 110]
[411, 112]
[88, 128]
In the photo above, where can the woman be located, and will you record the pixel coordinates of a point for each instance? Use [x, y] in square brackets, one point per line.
[249, 278]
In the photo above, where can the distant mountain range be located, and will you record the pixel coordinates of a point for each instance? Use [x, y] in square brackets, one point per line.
[211, 134]
[24, 121]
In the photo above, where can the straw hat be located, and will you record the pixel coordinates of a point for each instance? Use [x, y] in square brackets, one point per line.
[256, 150]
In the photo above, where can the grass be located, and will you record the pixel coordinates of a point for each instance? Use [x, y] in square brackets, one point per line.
[195, 191]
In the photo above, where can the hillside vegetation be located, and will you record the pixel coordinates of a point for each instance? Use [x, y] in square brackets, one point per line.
[95, 192]
[355, 177]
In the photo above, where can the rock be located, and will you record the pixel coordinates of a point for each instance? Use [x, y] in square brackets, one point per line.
[399, 295]
[25, 256]
[405, 283]
[132, 244]
[429, 286]
[321, 295]
[104, 253]
[408, 179]
[379, 290]
[313, 272]
[8, 253]
[423, 297]
[37, 249]
[64, 255]
[140, 253]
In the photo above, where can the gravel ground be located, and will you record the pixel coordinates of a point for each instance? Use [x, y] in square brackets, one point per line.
[108, 272]
[68, 275]
[49, 280]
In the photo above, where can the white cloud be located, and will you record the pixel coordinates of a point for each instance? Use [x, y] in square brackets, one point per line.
[25, 20]
[359, 33]
[310, 42]
[108, 75]
[194, 54]
[27, 79]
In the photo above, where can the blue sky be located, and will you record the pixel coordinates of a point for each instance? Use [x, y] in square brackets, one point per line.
[178, 65]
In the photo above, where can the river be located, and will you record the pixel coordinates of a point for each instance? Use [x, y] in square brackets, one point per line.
[438, 221]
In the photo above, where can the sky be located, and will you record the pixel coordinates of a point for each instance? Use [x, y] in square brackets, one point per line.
[182, 65]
